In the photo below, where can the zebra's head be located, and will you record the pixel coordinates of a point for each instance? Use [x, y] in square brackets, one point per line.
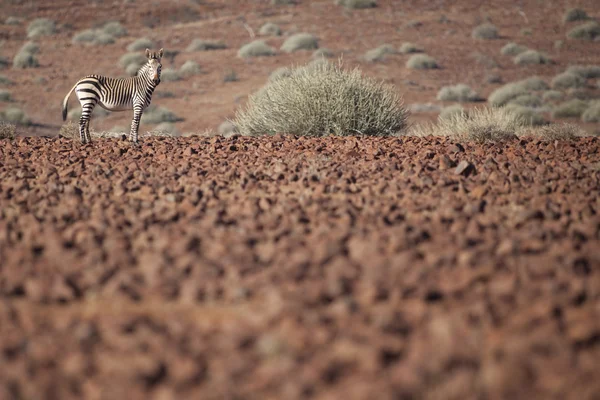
[154, 65]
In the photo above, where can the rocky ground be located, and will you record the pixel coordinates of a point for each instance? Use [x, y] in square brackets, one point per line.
[270, 268]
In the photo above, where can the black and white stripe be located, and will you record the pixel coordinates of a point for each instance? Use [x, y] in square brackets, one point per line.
[117, 94]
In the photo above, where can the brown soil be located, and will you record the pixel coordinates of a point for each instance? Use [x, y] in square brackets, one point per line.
[206, 100]
[271, 268]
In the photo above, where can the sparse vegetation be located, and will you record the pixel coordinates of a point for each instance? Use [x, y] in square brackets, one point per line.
[227, 129]
[140, 45]
[132, 62]
[93, 36]
[408, 48]
[553, 132]
[484, 59]
[485, 32]
[156, 115]
[513, 49]
[592, 114]
[5, 95]
[322, 53]
[575, 14]
[270, 29]
[552, 96]
[26, 58]
[510, 91]
[480, 125]
[75, 113]
[567, 80]
[461, 92]
[588, 31]
[357, 4]
[114, 29]
[529, 115]
[257, 48]
[300, 41]
[323, 99]
[7, 130]
[31, 47]
[379, 53]
[5, 81]
[165, 129]
[169, 75]
[421, 61]
[13, 20]
[4, 62]
[206, 45]
[14, 115]
[449, 111]
[585, 71]
[573, 108]
[531, 57]
[230, 76]
[190, 68]
[527, 100]
[40, 27]
[281, 72]
[70, 130]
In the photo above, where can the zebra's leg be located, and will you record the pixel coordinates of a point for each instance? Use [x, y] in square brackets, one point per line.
[82, 125]
[84, 122]
[138, 109]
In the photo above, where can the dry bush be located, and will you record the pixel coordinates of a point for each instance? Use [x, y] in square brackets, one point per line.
[449, 111]
[283, 2]
[14, 115]
[506, 93]
[588, 31]
[421, 61]
[567, 80]
[379, 53]
[513, 49]
[40, 27]
[5, 81]
[527, 100]
[7, 130]
[270, 29]
[553, 132]
[227, 129]
[322, 53]
[592, 114]
[114, 29]
[257, 48]
[409, 48]
[575, 14]
[170, 75]
[25, 58]
[93, 36]
[570, 109]
[156, 115]
[206, 45]
[4, 62]
[480, 125]
[552, 96]
[5, 95]
[164, 129]
[12, 20]
[230, 76]
[357, 4]
[485, 32]
[529, 115]
[585, 71]
[140, 45]
[281, 72]
[461, 92]
[75, 113]
[323, 99]
[190, 68]
[300, 41]
[531, 57]
[70, 130]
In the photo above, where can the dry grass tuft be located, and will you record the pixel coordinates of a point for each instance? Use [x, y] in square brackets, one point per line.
[508, 92]
[573, 108]
[461, 92]
[592, 114]
[7, 130]
[554, 132]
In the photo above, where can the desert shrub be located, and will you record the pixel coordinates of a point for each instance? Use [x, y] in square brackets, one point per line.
[323, 99]
[449, 111]
[163, 94]
[7, 130]
[421, 61]
[5, 95]
[575, 14]
[14, 115]
[169, 75]
[104, 39]
[132, 62]
[357, 4]
[460, 92]
[585, 71]
[567, 80]
[592, 114]
[281, 72]
[553, 132]
[93, 36]
[114, 29]
[257, 48]
[478, 125]
[270, 29]
[40, 27]
[485, 32]
[529, 115]
[379, 53]
[227, 129]
[132, 69]
[230, 76]
[69, 130]
[527, 100]
[140, 45]
[300, 41]
[283, 2]
[492, 77]
[552, 96]
[165, 129]
[156, 115]
[510, 91]
[4, 62]
[322, 53]
[5, 81]
[408, 48]
[13, 20]
[205, 45]
[513, 49]
[570, 109]
[588, 31]
[526, 32]
[531, 57]
[190, 68]
[170, 54]
[26, 58]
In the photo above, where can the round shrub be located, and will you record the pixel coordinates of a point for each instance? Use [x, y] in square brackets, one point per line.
[300, 41]
[14, 115]
[379, 53]
[575, 14]
[448, 112]
[169, 75]
[421, 61]
[40, 27]
[205, 45]
[322, 53]
[408, 48]
[357, 4]
[132, 58]
[5, 95]
[24, 59]
[587, 31]
[513, 49]
[323, 99]
[190, 68]
[567, 80]
[140, 44]
[156, 115]
[531, 57]
[461, 92]
[592, 114]
[485, 32]
[257, 48]
[114, 29]
[570, 109]
[527, 100]
[270, 29]
[552, 96]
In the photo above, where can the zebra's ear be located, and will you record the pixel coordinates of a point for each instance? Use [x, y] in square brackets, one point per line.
[148, 53]
[160, 53]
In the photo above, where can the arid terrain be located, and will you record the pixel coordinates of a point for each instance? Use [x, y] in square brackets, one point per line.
[286, 267]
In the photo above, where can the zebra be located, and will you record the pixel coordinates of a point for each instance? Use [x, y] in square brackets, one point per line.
[117, 94]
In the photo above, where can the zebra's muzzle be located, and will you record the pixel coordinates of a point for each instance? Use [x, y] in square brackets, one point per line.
[156, 79]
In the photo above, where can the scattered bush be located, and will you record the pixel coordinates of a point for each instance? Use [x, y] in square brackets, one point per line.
[14, 115]
[230, 76]
[257, 48]
[460, 92]
[4, 62]
[552, 96]
[283, 2]
[449, 111]
[554, 132]
[114, 29]
[492, 78]
[227, 129]
[379, 53]
[13, 21]
[322, 53]
[323, 99]
[5, 81]
[26, 58]
[163, 94]
[510, 91]
[526, 32]
[169, 75]
[567, 80]
[357, 4]
[31, 47]
[575, 14]
[588, 31]
[40, 27]
[93, 36]
[531, 57]
[7, 130]
[485, 32]
[132, 62]
[592, 114]
[270, 29]
[408, 48]
[570, 109]
[300, 41]
[5, 95]
[527, 100]
[281, 72]
[140, 45]
[190, 68]
[170, 54]
[421, 61]
[529, 115]
[205, 45]
[164, 129]
[69, 130]
[513, 49]
[478, 125]
[132, 69]
[585, 71]
[156, 115]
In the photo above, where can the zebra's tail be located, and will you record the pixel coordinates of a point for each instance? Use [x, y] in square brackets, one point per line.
[66, 101]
